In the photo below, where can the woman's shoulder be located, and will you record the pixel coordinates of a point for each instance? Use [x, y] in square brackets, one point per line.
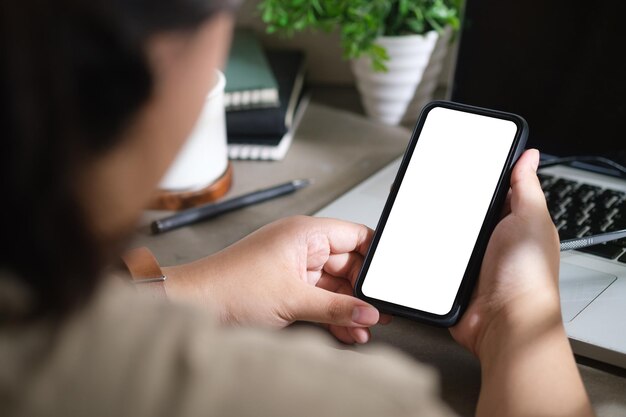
[121, 350]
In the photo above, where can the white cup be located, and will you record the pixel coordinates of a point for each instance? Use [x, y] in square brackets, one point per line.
[204, 156]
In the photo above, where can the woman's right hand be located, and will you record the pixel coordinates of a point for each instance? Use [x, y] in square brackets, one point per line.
[513, 323]
[518, 284]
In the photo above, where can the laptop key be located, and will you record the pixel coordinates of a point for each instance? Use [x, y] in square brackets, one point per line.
[567, 232]
[606, 225]
[622, 258]
[560, 188]
[608, 198]
[561, 183]
[586, 225]
[619, 222]
[586, 192]
[584, 231]
[604, 250]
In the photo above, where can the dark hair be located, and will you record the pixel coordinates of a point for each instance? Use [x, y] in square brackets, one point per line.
[73, 73]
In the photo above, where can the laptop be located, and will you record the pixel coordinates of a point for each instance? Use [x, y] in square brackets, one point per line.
[558, 65]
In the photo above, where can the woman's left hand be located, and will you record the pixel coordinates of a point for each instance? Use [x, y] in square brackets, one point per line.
[295, 269]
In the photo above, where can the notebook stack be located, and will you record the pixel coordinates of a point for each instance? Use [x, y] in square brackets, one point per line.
[264, 98]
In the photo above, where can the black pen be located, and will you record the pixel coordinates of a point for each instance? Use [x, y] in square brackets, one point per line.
[583, 242]
[196, 214]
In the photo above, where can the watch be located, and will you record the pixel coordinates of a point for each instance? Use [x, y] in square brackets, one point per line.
[145, 271]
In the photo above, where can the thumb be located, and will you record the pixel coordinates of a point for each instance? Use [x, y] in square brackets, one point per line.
[322, 306]
[527, 197]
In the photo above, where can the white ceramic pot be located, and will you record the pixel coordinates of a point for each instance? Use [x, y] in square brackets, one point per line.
[387, 95]
[204, 157]
[430, 79]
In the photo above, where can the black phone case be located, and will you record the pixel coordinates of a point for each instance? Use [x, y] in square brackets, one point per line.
[491, 219]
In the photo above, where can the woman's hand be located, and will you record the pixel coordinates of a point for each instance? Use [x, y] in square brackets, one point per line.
[519, 276]
[299, 268]
[513, 323]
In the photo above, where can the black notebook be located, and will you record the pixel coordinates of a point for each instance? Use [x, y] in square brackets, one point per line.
[266, 134]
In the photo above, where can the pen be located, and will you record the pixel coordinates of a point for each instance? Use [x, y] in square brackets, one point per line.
[196, 214]
[583, 242]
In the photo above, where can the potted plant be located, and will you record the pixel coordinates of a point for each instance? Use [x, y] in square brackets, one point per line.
[390, 44]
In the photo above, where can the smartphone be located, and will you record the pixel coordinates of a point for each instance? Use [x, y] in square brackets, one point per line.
[446, 199]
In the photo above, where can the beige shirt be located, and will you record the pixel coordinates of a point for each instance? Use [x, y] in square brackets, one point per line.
[126, 355]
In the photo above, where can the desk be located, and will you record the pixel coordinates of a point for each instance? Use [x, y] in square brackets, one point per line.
[339, 148]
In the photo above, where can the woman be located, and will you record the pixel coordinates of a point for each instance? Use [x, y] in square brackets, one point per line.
[97, 98]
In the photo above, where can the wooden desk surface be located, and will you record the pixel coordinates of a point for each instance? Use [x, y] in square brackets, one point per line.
[340, 148]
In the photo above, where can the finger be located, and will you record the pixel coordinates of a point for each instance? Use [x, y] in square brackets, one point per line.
[342, 286]
[345, 265]
[334, 284]
[526, 194]
[345, 236]
[321, 306]
[385, 319]
[361, 335]
[342, 334]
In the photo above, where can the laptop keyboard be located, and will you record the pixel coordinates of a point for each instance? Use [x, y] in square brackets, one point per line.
[580, 210]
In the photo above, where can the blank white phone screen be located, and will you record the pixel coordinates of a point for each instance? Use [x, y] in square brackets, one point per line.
[439, 210]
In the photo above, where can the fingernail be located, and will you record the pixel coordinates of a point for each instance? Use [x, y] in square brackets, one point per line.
[365, 315]
[536, 161]
[361, 336]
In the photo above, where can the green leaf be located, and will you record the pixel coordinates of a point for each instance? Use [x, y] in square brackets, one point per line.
[416, 26]
[317, 7]
[403, 8]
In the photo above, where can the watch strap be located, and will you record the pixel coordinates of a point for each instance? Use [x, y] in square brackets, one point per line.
[145, 271]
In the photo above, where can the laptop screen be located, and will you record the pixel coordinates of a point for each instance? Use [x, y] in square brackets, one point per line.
[557, 63]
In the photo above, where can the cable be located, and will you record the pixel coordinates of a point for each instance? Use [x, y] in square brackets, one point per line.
[598, 160]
